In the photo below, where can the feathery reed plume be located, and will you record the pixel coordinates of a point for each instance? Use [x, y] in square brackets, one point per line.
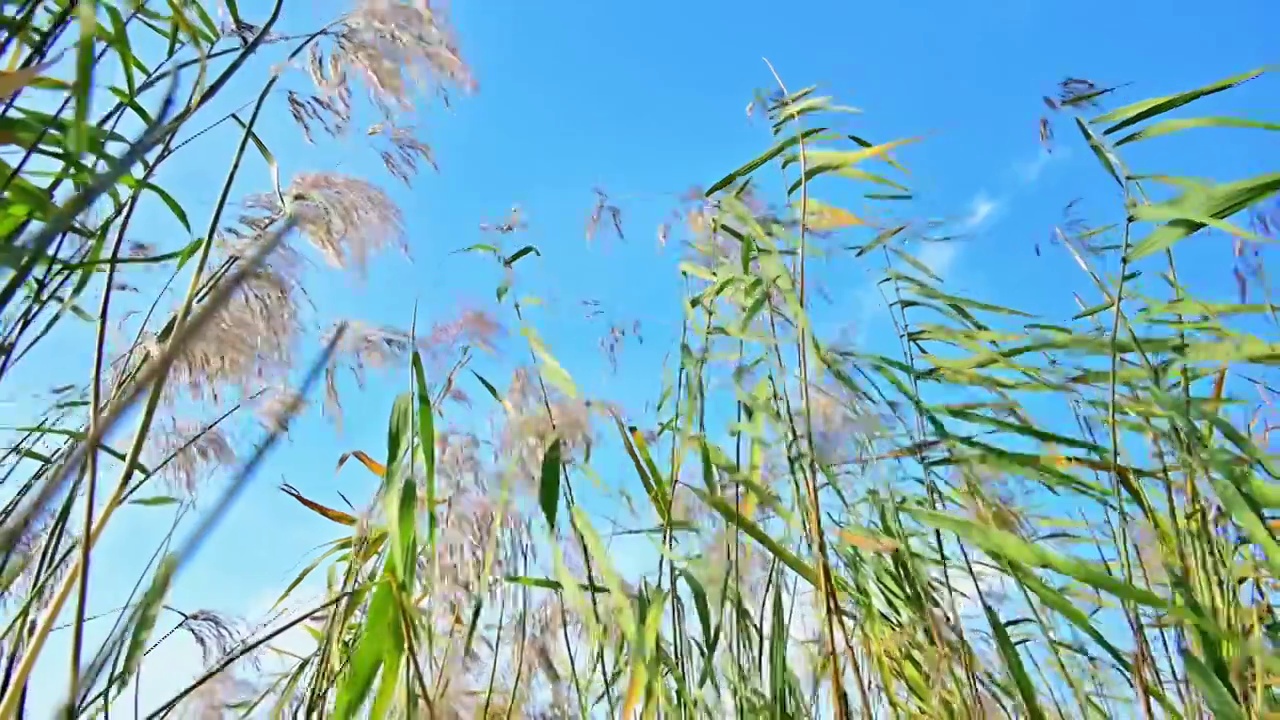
[368, 346]
[1250, 266]
[471, 328]
[405, 152]
[217, 696]
[458, 461]
[347, 219]
[186, 453]
[362, 346]
[1266, 219]
[471, 521]
[214, 633]
[686, 507]
[279, 407]
[528, 432]
[379, 42]
[333, 114]
[843, 427]
[250, 340]
[602, 208]
[396, 48]
[26, 554]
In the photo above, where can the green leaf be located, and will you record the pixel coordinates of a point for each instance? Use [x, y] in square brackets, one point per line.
[1199, 207]
[401, 492]
[336, 547]
[1065, 607]
[999, 543]
[210, 28]
[757, 533]
[846, 158]
[1091, 311]
[488, 386]
[479, 247]
[1013, 663]
[79, 436]
[1248, 517]
[700, 605]
[170, 202]
[1101, 152]
[806, 106]
[377, 633]
[87, 15]
[841, 162]
[879, 240]
[399, 432]
[233, 9]
[552, 371]
[549, 584]
[915, 264]
[1173, 125]
[759, 162]
[1216, 695]
[651, 488]
[390, 686]
[266, 155]
[144, 618]
[1146, 109]
[427, 441]
[778, 675]
[549, 484]
[155, 501]
[845, 171]
[515, 256]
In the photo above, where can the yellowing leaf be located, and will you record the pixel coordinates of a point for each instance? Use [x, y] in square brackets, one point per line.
[635, 685]
[12, 82]
[868, 542]
[552, 371]
[1218, 382]
[15, 57]
[327, 513]
[1064, 461]
[849, 157]
[820, 216]
[374, 466]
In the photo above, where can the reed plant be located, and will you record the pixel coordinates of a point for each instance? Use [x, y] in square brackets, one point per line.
[1012, 516]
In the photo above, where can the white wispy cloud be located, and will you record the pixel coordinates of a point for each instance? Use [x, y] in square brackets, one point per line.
[1029, 171]
[982, 209]
[939, 257]
[942, 258]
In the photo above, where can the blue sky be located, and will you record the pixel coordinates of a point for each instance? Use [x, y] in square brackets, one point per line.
[646, 100]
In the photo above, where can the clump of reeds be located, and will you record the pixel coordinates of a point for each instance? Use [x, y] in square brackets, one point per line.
[1012, 516]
